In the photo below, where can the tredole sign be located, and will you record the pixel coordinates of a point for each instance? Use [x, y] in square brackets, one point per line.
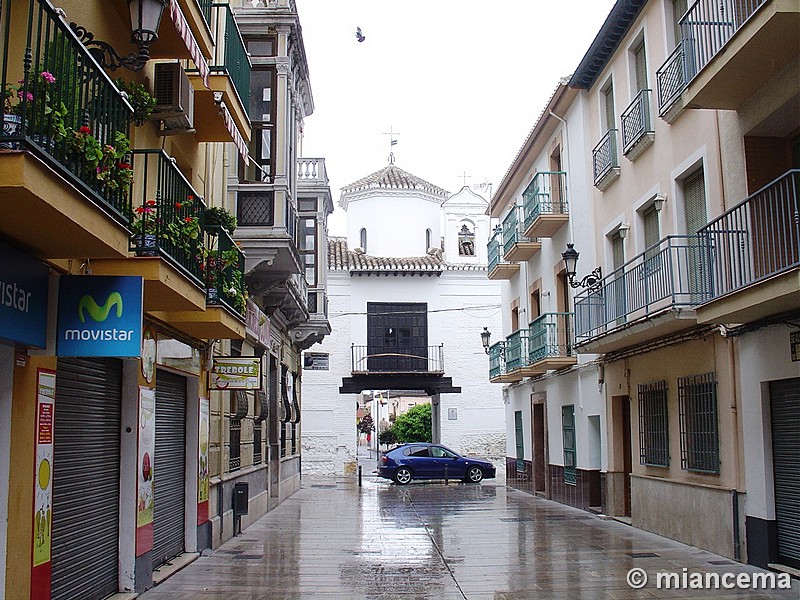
[99, 315]
[235, 373]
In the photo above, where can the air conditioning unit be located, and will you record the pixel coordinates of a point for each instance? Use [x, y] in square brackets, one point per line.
[174, 98]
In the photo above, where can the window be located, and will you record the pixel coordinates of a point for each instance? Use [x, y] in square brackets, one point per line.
[697, 404]
[308, 247]
[235, 455]
[417, 451]
[640, 67]
[694, 205]
[428, 243]
[608, 99]
[652, 236]
[679, 8]
[570, 454]
[261, 112]
[261, 46]
[653, 424]
[437, 452]
[257, 443]
[466, 240]
[363, 236]
[617, 300]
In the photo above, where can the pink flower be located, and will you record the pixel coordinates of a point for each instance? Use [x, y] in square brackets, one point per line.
[48, 77]
[28, 96]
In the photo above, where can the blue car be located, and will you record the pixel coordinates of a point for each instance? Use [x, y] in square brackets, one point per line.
[431, 461]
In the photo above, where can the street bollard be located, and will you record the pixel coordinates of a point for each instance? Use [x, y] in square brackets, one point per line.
[359, 475]
[446, 480]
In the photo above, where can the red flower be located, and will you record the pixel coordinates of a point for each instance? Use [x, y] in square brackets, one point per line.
[178, 205]
[124, 166]
[85, 130]
[150, 202]
[188, 219]
[190, 197]
[139, 209]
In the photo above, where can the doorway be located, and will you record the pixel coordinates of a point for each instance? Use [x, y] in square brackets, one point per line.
[539, 445]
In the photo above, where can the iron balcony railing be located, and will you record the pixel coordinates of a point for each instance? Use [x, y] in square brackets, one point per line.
[756, 239]
[497, 363]
[224, 271]
[604, 155]
[365, 359]
[60, 105]
[669, 274]
[517, 350]
[705, 29]
[493, 247]
[205, 8]
[671, 78]
[230, 56]
[512, 230]
[636, 121]
[169, 213]
[318, 303]
[549, 336]
[546, 194]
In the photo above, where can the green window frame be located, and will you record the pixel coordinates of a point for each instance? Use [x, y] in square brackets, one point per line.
[570, 450]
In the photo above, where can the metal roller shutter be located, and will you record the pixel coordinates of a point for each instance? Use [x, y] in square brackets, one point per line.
[785, 405]
[86, 475]
[169, 464]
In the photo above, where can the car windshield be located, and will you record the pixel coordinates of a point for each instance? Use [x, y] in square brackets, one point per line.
[438, 452]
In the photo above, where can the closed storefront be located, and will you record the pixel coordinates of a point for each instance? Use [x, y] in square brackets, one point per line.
[169, 467]
[785, 408]
[86, 479]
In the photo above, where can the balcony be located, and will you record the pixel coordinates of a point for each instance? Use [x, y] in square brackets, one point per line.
[545, 345]
[222, 106]
[498, 372]
[605, 160]
[317, 326]
[731, 49]
[651, 296]
[56, 203]
[400, 368]
[754, 256]
[637, 127]
[498, 268]
[517, 247]
[168, 262]
[545, 204]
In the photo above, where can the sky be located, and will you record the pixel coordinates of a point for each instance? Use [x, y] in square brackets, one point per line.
[460, 82]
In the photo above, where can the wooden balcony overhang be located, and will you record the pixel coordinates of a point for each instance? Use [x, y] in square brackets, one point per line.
[215, 322]
[504, 271]
[772, 296]
[546, 225]
[431, 384]
[523, 251]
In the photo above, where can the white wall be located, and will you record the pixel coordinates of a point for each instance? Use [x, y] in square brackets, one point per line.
[395, 222]
[763, 357]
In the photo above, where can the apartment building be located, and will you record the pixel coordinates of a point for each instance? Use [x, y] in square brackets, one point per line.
[686, 298]
[123, 289]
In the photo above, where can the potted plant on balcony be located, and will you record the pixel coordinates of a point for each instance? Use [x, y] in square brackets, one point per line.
[145, 229]
[221, 274]
[139, 98]
[217, 216]
[108, 164]
[31, 98]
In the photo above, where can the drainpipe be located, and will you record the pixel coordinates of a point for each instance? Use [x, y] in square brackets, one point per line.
[566, 153]
[737, 546]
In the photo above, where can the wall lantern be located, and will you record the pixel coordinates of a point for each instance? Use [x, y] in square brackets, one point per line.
[486, 335]
[570, 256]
[145, 20]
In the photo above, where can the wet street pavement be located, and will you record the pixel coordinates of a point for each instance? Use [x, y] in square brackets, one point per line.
[333, 539]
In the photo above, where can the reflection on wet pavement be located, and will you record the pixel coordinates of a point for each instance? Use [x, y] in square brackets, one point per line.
[428, 540]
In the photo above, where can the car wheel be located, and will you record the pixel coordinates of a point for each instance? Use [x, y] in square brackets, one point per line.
[474, 474]
[402, 476]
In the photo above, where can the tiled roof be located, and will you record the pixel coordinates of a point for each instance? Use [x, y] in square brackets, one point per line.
[393, 177]
[342, 259]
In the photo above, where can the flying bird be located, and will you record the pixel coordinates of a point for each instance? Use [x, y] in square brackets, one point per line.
[359, 36]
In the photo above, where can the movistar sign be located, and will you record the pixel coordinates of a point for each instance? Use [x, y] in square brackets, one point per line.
[99, 316]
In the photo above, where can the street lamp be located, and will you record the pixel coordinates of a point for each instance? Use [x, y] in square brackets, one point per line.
[570, 256]
[145, 20]
[485, 337]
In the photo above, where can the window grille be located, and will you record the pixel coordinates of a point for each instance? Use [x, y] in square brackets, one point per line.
[699, 429]
[236, 445]
[257, 456]
[653, 424]
[570, 458]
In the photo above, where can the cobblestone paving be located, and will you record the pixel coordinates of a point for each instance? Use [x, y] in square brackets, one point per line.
[431, 541]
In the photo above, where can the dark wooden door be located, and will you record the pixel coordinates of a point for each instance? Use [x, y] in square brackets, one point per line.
[397, 336]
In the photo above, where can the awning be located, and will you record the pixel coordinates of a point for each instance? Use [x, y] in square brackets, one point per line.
[182, 25]
[230, 125]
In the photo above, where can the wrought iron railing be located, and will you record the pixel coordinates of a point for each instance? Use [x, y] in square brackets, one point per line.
[512, 229]
[255, 207]
[205, 8]
[169, 213]
[497, 362]
[517, 350]
[756, 239]
[494, 248]
[60, 105]
[545, 194]
[671, 78]
[428, 359]
[224, 271]
[230, 55]
[604, 155]
[671, 273]
[705, 29]
[636, 122]
[550, 335]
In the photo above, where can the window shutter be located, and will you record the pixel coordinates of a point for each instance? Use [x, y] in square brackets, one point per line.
[617, 251]
[678, 10]
[651, 232]
[641, 68]
[610, 120]
[694, 200]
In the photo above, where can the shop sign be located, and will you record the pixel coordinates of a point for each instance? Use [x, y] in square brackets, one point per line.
[316, 361]
[794, 343]
[235, 373]
[23, 298]
[99, 316]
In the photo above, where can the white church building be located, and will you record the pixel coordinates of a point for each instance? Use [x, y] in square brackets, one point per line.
[408, 297]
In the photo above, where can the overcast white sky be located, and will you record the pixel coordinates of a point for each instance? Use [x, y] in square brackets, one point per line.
[462, 82]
